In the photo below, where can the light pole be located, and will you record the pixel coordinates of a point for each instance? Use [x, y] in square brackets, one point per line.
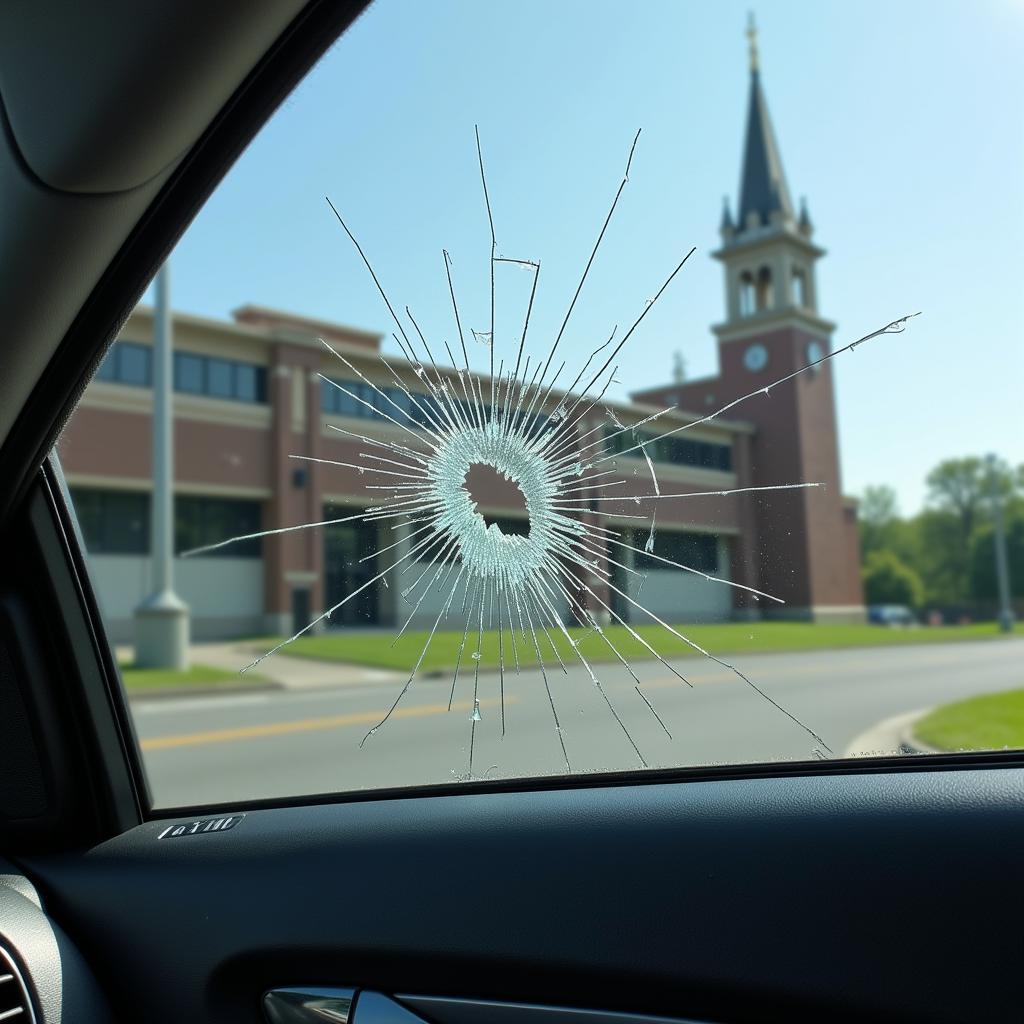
[999, 536]
[162, 620]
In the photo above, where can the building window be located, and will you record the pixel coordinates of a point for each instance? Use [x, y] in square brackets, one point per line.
[764, 289]
[199, 521]
[117, 522]
[189, 374]
[220, 378]
[800, 288]
[213, 377]
[127, 362]
[250, 383]
[695, 550]
[112, 522]
[358, 399]
[363, 401]
[746, 293]
[675, 450]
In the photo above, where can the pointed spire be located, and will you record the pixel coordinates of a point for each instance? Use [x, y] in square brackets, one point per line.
[805, 225]
[763, 189]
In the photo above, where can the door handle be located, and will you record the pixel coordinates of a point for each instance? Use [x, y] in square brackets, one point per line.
[334, 1006]
[361, 1006]
[309, 1005]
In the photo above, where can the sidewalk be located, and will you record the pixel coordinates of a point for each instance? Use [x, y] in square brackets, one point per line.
[290, 673]
[280, 670]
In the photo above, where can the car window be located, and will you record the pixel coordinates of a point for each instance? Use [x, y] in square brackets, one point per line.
[525, 454]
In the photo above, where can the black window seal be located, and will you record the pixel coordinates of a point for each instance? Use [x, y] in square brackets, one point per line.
[110, 790]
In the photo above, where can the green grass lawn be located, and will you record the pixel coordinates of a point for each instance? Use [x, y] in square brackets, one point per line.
[981, 723]
[196, 675]
[727, 638]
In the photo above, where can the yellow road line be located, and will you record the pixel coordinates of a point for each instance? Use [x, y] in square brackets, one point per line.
[251, 732]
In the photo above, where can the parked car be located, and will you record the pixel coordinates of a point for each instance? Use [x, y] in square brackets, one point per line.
[891, 615]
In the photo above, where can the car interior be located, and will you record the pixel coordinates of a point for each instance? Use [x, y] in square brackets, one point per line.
[797, 891]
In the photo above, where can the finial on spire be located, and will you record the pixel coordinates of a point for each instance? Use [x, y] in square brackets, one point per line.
[726, 225]
[752, 39]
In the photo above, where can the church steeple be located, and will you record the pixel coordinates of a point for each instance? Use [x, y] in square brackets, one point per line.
[764, 194]
[772, 329]
[767, 249]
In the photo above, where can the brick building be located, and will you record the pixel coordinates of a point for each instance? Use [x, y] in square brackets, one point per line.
[247, 398]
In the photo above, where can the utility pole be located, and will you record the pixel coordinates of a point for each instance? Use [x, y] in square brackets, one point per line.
[162, 620]
[1002, 561]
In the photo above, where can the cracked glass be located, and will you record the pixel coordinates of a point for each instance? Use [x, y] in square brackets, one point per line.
[499, 530]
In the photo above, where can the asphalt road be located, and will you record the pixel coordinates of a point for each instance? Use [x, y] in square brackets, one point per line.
[220, 748]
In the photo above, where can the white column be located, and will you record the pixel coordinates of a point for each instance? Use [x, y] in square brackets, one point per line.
[162, 620]
[392, 607]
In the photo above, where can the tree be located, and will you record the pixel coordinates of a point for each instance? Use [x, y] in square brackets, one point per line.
[948, 545]
[960, 492]
[879, 505]
[877, 511]
[983, 563]
[942, 562]
[964, 487]
[881, 528]
[887, 580]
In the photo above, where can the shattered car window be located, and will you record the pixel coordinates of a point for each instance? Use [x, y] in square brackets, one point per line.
[499, 529]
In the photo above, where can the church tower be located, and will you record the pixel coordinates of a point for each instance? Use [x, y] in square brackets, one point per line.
[806, 547]
[767, 250]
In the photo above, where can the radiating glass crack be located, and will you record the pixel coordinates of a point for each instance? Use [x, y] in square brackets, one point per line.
[514, 421]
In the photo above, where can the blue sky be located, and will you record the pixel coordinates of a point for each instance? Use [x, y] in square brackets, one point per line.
[900, 122]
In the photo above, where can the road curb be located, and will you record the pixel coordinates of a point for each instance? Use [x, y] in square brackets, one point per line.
[913, 745]
[140, 696]
[890, 736]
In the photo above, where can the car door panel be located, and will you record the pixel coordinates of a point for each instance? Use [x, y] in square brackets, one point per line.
[845, 896]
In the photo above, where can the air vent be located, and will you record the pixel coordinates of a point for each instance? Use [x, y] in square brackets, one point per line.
[14, 1002]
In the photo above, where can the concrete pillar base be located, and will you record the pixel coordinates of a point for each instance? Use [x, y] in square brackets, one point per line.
[162, 632]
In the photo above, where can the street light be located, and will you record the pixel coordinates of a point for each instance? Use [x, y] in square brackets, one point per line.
[999, 536]
[162, 620]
